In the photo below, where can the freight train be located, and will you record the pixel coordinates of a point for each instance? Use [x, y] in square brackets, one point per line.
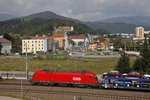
[89, 79]
[79, 79]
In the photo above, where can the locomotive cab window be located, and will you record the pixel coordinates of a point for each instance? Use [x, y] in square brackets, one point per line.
[34, 74]
[90, 76]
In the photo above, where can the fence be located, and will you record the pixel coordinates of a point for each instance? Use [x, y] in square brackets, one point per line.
[14, 74]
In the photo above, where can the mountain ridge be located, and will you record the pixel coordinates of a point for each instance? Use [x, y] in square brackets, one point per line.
[137, 20]
[125, 24]
[47, 15]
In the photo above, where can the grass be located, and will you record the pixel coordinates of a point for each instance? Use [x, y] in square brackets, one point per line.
[80, 64]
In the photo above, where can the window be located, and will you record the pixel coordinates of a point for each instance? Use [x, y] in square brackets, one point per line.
[90, 76]
[34, 74]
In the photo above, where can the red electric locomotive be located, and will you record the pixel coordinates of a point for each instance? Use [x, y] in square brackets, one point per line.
[42, 77]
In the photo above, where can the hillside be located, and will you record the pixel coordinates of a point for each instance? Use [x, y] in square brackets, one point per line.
[121, 24]
[41, 23]
[115, 27]
[47, 15]
[44, 22]
[137, 20]
[38, 26]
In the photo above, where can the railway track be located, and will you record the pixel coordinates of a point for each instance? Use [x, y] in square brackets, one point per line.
[14, 82]
[48, 92]
[14, 86]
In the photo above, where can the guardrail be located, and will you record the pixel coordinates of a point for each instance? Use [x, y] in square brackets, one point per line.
[14, 74]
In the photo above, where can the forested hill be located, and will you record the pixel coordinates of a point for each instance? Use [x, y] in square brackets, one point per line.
[44, 23]
[48, 15]
[41, 23]
[39, 26]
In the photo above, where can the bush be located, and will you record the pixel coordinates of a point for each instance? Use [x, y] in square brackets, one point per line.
[124, 63]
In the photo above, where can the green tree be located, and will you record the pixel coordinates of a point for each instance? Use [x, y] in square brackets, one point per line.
[145, 56]
[124, 63]
[137, 66]
[8, 37]
[142, 64]
[102, 39]
[0, 48]
[16, 41]
[149, 41]
[80, 43]
[122, 43]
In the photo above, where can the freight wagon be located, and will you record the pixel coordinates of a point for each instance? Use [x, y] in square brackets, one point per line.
[135, 83]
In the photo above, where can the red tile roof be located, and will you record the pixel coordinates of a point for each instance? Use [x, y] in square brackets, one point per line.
[39, 37]
[77, 36]
[58, 35]
[104, 43]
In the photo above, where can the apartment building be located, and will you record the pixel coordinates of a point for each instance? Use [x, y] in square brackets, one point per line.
[139, 32]
[6, 46]
[60, 38]
[35, 44]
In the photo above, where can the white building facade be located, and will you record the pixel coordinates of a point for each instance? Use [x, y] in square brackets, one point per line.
[34, 45]
[6, 46]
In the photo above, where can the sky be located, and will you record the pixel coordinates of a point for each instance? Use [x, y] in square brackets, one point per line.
[85, 10]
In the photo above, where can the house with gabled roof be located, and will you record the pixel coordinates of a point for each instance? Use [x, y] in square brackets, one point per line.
[6, 45]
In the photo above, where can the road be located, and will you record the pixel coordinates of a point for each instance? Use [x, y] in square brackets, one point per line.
[95, 56]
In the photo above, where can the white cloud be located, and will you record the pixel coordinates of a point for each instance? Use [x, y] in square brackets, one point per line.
[80, 9]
